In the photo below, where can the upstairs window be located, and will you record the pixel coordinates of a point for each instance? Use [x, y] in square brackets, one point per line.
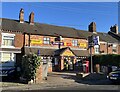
[8, 40]
[114, 48]
[75, 43]
[96, 47]
[46, 40]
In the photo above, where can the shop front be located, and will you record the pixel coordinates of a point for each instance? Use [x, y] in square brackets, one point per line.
[64, 60]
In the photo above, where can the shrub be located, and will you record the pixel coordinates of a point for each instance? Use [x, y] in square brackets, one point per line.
[110, 59]
[29, 65]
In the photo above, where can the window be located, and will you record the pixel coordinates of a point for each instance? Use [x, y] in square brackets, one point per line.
[46, 40]
[7, 57]
[8, 40]
[114, 48]
[96, 47]
[75, 43]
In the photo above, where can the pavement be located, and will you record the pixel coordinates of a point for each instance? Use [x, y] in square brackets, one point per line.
[58, 80]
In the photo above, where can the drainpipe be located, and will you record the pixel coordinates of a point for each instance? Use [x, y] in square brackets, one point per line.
[107, 47]
[29, 40]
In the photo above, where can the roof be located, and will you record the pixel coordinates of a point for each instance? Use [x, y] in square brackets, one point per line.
[38, 28]
[52, 52]
[62, 50]
[81, 52]
[75, 52]
[43, 51]
[50, 30]
[115, 36]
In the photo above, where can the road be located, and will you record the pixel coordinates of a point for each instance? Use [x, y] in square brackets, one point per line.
[65, 81]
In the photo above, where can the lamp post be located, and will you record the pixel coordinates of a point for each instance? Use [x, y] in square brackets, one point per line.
[90, 45]
[92, 41]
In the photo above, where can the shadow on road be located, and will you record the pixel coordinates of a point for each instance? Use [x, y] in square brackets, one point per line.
[90, 79]
[11, 80]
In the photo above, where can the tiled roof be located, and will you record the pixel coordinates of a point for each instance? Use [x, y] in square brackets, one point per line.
[114, 35]
[43, 51]
[50, 30]
[52, 52]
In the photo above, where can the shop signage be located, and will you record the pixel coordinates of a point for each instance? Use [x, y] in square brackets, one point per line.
[68, 53]
[96, 40]
[67, 44]
[56, 43]
[83, 45]
[35, 41]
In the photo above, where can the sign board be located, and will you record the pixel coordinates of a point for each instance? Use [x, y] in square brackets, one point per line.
[93, 40]
[67, 44]
[36, 41]
[56, 43]
[83, 45]
[67, 53]
[96, 40]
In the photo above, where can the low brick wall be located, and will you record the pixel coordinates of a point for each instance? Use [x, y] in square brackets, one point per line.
[39, 74]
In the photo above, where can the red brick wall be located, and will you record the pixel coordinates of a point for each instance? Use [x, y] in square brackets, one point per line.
[19, 40]
[119, 49]
[39, 74]
[40, 38]
[103, 46]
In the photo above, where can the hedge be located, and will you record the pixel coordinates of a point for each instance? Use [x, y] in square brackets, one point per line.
[110, 59]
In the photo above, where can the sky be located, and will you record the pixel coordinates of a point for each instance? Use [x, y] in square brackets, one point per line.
[70, 14]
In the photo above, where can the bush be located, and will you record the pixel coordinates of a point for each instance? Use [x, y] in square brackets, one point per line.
[29, 65]
[110, 59]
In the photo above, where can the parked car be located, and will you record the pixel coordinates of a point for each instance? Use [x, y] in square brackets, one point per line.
[114, 76]
[7, 72]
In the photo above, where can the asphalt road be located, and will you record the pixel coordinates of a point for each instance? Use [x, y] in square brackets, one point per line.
[82, 88]
[65, 82]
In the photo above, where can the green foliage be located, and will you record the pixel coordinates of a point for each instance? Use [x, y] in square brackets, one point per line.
[30, 63]
[110, 59]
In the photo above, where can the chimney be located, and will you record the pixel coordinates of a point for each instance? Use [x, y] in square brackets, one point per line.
[92, 27]
[21, 16]
[31, 18]
[114, 29]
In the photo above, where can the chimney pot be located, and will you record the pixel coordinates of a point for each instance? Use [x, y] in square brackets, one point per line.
[31, 18]
[92, 27]
[114, 29]
[21, 16]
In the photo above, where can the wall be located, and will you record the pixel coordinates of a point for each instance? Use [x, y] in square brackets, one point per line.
[18, 40]
[37, 40]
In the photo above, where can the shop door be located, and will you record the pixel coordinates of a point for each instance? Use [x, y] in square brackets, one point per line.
[71, 64]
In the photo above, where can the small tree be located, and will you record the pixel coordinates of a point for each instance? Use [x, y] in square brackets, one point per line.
[30, 63]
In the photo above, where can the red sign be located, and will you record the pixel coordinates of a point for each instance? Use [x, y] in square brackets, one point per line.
[67, 44]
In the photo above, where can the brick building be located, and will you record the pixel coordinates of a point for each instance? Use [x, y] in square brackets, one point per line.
[60, 45]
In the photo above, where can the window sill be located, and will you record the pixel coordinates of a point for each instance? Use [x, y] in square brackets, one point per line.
[7, 47]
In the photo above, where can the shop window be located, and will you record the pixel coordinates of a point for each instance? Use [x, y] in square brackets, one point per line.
[7, 40]
[75, 43]
[46, 40]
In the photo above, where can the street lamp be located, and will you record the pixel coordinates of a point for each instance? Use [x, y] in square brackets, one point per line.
[90, 45]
